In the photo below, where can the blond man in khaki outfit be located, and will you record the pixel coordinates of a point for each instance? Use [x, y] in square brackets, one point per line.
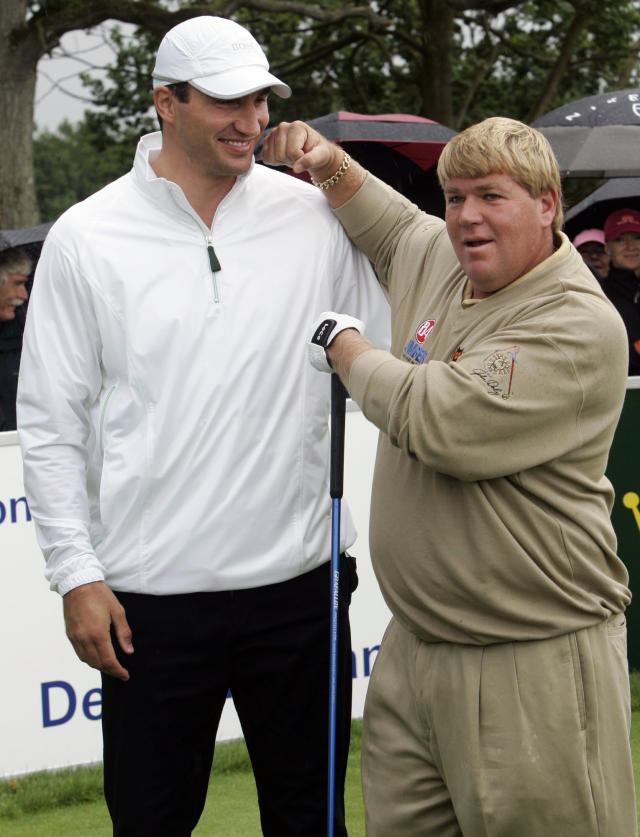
[499, 702]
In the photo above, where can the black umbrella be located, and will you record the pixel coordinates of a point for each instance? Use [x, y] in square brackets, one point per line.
[418, 139]
[30, 239]
[592, 211]
[598, 136]
[399, 148]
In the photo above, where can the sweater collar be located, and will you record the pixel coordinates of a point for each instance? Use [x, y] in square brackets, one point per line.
[539, 270]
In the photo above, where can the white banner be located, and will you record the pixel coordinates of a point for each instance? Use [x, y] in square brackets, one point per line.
[50, 702]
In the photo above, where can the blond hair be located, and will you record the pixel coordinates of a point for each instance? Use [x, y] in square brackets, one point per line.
[504, 146]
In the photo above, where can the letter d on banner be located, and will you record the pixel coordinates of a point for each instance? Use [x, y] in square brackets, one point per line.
[45, 688]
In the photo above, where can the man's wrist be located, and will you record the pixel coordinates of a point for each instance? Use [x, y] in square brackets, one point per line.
[344, 350]
[336, 177]
[328, 170]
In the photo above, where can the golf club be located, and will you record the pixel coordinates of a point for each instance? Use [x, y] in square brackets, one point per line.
[338, 407]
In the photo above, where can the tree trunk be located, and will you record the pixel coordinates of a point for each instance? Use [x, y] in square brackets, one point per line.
[435, 69]
[629, 65]
[18, 205]
[567, 49]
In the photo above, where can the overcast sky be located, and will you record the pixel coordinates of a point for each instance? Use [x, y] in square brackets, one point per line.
[59, 91]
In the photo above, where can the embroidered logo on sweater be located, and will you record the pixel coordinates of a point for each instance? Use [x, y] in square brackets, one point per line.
[497, 371]
[424, 330]
[414, 350]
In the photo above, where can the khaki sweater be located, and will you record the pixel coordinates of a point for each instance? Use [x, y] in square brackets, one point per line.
[490, 514]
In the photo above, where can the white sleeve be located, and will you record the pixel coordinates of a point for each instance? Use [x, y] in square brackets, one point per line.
[358, 292]
[59, 381]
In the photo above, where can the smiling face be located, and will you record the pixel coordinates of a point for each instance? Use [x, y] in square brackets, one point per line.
[13, 293]
[625, 251]
[498, 231]
[214, 136]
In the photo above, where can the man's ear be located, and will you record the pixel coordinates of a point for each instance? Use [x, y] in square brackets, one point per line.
[548, 204]
[164, 102]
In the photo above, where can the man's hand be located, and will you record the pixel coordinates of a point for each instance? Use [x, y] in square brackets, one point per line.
[89, 612]
[297, 145]
[324, 331]
[335, 342]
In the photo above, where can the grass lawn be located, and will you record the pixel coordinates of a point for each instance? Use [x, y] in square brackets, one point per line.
[231, 810]
[69, 803]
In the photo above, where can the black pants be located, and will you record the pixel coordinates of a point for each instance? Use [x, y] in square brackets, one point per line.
[270, 646]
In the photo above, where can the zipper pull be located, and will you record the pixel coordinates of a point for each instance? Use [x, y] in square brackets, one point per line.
[215, 267]
[213, 259]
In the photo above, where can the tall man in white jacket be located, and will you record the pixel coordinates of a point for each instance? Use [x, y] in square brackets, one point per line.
[175, 447]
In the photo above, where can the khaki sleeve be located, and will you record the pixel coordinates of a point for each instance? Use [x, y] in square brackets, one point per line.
[512, 402]
[378, 219]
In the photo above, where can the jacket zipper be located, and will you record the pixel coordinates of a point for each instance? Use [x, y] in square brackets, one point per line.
[215, 267]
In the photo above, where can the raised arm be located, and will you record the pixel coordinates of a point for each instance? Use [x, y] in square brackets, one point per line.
[298, 146]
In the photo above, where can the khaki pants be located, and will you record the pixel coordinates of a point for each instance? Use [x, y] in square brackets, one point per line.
[522, 739]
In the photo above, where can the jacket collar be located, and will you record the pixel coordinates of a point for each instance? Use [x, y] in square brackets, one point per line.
[165, 192]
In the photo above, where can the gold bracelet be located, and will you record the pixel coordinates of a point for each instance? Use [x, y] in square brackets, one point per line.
[331, 181]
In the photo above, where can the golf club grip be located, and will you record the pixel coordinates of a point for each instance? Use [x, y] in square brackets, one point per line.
[338, 408]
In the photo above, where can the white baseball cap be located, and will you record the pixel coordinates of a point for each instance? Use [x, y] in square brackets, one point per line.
[218, 57]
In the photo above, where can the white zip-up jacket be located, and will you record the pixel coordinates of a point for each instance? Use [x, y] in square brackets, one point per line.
[174, 435]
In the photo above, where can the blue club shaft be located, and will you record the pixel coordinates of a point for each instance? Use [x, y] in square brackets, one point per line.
[338, 408]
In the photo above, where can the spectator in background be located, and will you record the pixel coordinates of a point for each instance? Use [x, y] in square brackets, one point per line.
[15, 267]
[622, 236]
[591, 246]
[622, 285]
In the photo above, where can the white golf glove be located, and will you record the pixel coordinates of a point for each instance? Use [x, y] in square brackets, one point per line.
[325, 329]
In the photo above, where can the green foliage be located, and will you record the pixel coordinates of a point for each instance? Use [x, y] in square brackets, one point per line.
[76, 161]
[524, 45]
[126, 106]
[445, 60]
[486, 62]
[45, 790]
[353, 64]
